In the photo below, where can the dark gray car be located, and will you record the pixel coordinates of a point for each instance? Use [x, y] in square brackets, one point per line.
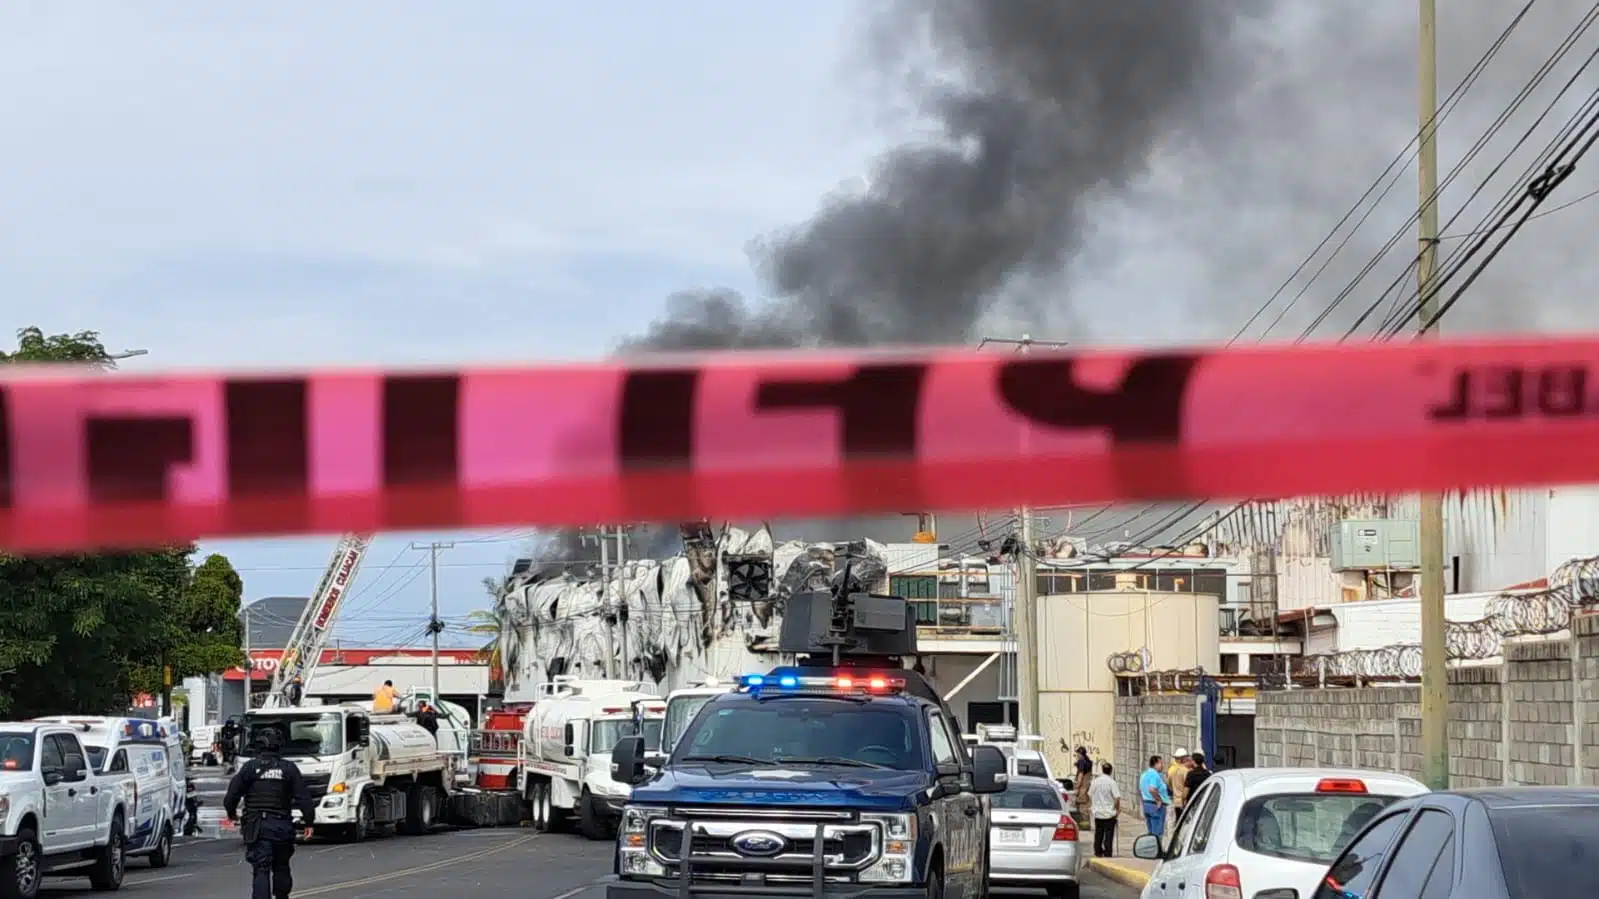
[1508, 843]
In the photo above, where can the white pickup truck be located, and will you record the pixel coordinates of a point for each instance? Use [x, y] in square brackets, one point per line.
[57, 815]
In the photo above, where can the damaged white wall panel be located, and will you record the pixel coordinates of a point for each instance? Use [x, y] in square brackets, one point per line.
[714, 609]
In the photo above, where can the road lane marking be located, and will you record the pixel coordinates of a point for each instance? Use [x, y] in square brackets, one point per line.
[137, 881]
[575, 890]
[418, 869]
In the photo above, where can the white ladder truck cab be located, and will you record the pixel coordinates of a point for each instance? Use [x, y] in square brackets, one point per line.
[567, 744]
[365, 772]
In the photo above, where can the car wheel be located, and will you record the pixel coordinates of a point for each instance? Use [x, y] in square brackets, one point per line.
[112, 861]
[536, 808]
[362, 828]
[161, 856]
[19, 873]
[588, 820]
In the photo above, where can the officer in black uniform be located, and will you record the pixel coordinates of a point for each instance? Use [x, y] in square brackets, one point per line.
[271, 788]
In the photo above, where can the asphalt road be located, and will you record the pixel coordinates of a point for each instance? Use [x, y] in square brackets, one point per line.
[506, 863]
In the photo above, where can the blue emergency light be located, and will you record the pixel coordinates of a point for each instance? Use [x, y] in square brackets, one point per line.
[844, 683]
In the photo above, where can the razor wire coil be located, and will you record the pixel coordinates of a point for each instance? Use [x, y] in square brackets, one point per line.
[1572, 589]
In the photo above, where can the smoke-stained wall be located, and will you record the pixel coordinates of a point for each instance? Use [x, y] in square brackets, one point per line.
[713, 608]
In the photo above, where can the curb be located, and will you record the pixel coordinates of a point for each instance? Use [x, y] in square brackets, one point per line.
[1122, 874]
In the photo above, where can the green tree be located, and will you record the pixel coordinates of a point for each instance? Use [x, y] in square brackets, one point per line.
[81, 632]
[486, 622]
[33, 345]
[199, 632]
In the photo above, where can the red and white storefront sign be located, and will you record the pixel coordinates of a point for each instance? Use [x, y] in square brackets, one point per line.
[264, 662]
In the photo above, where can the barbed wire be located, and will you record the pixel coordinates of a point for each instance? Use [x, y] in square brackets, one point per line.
[1572, 589]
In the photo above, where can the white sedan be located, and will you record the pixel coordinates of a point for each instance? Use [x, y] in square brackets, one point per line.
[1266, 833]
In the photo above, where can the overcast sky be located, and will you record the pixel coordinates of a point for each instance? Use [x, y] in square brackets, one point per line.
[402, 182]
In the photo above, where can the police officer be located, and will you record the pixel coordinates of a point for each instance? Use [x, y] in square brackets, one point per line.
[271, 788]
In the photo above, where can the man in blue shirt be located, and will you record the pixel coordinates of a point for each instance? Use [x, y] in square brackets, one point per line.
[1154, 794]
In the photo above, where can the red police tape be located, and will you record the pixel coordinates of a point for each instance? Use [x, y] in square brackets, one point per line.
[96, 460]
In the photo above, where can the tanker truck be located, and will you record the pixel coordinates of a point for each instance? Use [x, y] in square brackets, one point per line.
[365, 772]
[567, 741]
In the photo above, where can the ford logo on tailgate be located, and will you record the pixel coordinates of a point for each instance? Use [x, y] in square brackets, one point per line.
[758, 843]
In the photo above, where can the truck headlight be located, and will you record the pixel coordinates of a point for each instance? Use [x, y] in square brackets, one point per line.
[899, 848]
[633, 843]
[5, 808]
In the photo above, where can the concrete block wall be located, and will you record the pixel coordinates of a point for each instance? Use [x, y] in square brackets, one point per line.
[1533, 720]
[1330, 728]
[1151, 725]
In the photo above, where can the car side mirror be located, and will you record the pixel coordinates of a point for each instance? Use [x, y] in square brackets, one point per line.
[988, 770]
[948, 769]
[52, 776]
[1147, 847]
[627, 761]
[655, 759]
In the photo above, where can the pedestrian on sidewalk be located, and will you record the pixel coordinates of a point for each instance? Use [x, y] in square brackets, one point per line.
[1198, 774]
[1105, 806]
[1177, 781]
[1156, 797]
[1085, 773]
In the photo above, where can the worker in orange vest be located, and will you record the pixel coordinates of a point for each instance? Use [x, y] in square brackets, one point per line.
[385, 699]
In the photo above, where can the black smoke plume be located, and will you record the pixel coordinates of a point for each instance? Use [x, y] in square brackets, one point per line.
[1040, 108]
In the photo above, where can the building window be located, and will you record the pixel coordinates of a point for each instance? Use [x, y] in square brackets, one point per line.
[1229, 663]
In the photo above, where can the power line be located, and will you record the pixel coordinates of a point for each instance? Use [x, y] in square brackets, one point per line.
[1396, 168]
[1539, 76]
[1557, 161]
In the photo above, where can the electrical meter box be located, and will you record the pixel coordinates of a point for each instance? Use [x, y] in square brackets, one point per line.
[1376, 544]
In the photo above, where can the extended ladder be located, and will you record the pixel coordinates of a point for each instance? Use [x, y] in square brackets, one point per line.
[311, 633]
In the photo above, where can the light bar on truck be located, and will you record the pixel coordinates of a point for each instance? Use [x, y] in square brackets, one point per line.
[843, 683]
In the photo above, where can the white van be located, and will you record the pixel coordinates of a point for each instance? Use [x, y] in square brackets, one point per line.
[152, 749]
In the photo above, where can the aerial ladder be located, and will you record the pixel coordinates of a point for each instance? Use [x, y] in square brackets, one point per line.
[315, 627]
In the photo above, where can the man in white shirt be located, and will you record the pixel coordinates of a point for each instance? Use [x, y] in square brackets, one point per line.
[1105, 804]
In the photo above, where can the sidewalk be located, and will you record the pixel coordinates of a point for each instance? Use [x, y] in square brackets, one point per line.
[1122, 868]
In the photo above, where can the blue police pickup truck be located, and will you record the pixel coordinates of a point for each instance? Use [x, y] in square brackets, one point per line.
[830, 782]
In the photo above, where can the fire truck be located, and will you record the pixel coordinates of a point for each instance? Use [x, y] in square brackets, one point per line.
[553, 754]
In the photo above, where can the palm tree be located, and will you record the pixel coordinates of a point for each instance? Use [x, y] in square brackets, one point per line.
[486, 621]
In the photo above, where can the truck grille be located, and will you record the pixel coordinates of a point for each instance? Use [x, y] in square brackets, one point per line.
[316, 784]
[846, 847]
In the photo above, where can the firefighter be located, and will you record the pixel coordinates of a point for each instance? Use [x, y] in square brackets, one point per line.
[271, 788]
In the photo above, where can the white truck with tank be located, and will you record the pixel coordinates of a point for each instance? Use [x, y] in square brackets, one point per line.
[58, 814]
[365, 772]
[567, 740]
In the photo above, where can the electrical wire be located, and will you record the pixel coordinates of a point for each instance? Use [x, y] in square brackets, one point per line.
[1539, 76]
[1396, 169]
[1558, 161]
[1563, 49]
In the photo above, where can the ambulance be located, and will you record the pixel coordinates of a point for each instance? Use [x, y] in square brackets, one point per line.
[152, 751]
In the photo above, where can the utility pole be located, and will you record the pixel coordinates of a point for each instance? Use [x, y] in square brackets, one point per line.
[249, 660]
[602, 536]
[1434, 624]
[435, 624]
[621, 626]
[1024, 616]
